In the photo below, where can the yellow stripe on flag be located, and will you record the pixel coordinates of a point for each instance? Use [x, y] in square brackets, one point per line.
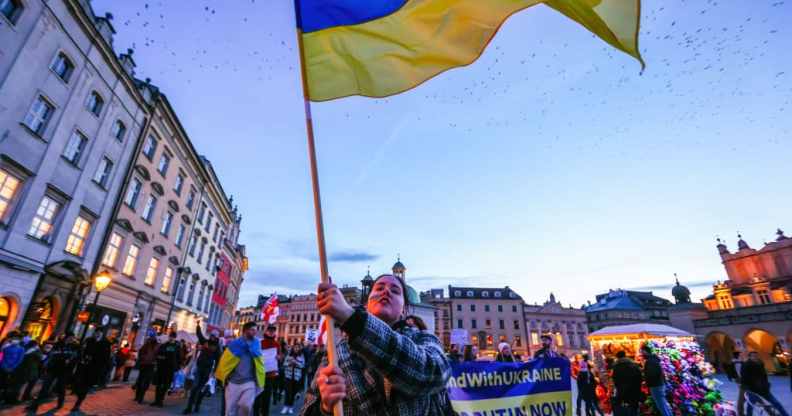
[397, 52]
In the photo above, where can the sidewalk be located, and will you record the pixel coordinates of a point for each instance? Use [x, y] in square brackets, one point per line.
[117, 400]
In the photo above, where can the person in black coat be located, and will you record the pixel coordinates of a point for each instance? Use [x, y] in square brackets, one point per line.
[627, 380]
[60, 366]
[753, 377]
[208, 356]
[168, 360]
[655, 380]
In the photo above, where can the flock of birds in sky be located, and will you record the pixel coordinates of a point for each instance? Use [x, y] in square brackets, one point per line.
[700, 68]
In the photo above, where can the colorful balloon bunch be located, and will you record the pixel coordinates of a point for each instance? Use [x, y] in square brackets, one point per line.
[689, 391]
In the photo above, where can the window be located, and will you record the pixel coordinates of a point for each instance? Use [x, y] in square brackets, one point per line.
[472, 308]
[501, 324]
[457, 293]
[177, 187]
[725, 301]
[191, 198]
[75, 147]
[459, 308]
[201, 213]
[150, 147]
[192, 292]
[516, 324]
[119, 130]
[201, 251]
[44, 220]
[163, 164]
[487, 323]
[486, 308]
[514, 308]
[559, 339]
[148, 210]
[764, 296]
[216, 231]
[500, 308]
[78, 235]
[62, 66]
[102, 174]
[206, 301]
[167, 220]
[469, 293]
[151, 273]
[193, 243]
[182, 289]
[517, 341]
[485, 294]
[166, 280]
[497, 293]
[131, 261]
[180, 235]
[133, 192]
[473, 323]
[208, 225]
[222, 237]
[200, 296]
[11, 9]
[39, 115]
[112, 250]
[95, 103]
[8, 187]
[209, 260]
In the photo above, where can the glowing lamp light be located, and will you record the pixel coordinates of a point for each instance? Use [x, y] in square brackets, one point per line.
[102, 280]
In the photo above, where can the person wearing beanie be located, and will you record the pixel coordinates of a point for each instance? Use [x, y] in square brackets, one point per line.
[505, 353]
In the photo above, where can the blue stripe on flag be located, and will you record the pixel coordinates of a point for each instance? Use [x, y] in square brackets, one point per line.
[315, 15]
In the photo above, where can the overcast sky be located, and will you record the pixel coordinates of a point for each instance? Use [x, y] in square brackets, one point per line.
[551, 164]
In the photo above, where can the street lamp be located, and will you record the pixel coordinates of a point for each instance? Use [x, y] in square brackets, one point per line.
[101, 282]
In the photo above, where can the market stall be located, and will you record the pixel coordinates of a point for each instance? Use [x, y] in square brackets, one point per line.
[689, 388]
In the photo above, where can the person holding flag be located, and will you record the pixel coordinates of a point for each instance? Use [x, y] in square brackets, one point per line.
[269, 351]
[384, 366]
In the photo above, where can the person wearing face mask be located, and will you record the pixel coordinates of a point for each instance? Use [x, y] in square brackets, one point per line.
[385, 367]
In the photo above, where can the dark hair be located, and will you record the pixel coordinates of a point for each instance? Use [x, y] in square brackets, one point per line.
[467, 354]
[248, 325]
[545, 336]
[586, 357]
[419, 323]
[401, 283]
[621, 354]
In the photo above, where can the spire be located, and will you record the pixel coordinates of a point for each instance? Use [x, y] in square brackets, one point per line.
[722, 249]
[781, 236]
[679, 292]
[741, 244]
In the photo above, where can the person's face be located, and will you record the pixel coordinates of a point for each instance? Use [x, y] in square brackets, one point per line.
[250, 333]
[386, 301]
[506, 351]
[547, 342]
[270, 332]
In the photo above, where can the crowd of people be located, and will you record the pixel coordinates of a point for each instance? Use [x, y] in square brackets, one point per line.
[387, 364]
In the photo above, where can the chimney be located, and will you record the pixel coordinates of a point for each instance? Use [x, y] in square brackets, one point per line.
[105, 27]
[127, 62]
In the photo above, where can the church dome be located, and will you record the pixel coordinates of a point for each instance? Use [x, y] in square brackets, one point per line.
[398, 266]
[681, 293]
[412, 296]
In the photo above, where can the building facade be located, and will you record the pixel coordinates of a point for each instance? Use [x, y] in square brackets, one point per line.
[752, 309]
[490, 316]
[70, 118]
[567, 325]
[146, 250]
[624, 307]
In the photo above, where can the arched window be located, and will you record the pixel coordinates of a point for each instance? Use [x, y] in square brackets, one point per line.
[62, 66]
[119, 130]
[95, 103]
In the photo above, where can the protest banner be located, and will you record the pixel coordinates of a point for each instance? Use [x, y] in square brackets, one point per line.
[536, 388]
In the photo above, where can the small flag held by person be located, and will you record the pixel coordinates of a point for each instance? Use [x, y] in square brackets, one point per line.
[270, 310]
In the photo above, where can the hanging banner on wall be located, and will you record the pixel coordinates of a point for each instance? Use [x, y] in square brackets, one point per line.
[539, 387]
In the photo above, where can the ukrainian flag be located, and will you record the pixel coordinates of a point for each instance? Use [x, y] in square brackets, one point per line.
[378, 48]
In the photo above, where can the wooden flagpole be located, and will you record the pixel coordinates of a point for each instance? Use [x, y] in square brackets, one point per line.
[332, 358]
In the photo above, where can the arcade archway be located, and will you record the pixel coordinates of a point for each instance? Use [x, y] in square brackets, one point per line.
[763, 343]
[720, 349]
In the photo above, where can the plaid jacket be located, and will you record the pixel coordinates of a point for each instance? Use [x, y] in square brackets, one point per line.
[388, 371]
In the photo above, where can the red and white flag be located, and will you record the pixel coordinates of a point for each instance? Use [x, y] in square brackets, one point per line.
[270, 310]
[322, 338]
